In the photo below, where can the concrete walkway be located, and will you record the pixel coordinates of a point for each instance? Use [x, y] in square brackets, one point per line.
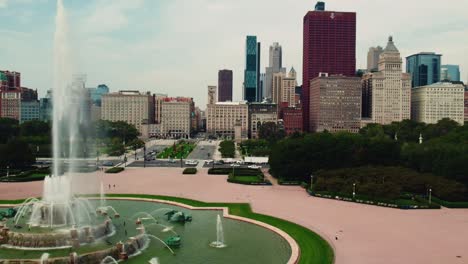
[366, 234]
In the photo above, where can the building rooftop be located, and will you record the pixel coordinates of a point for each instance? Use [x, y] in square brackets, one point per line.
[232, 103]
[390, 46]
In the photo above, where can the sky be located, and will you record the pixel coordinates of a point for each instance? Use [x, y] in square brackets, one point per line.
[176, 47]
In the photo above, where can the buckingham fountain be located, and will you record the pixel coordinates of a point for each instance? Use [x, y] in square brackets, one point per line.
[64, 226]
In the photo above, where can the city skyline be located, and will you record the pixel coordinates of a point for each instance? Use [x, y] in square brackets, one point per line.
[125, 44]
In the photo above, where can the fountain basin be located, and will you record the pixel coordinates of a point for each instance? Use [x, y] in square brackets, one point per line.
[264, 244]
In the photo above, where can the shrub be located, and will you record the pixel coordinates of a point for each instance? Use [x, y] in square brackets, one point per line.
[190, 171]
[115, 170]
[227, 149]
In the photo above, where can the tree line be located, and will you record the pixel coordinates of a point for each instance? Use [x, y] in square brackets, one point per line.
[443, 151]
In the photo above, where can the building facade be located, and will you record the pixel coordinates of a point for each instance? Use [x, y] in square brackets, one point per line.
[292, 120]
[466, 105]
[260, 113]
[252, 92]
[424, 68]
[329, 46]
[225, 86]
[335, 103]
[30, 110]
[132, 107]
[97, 93]
[275, 66]
[284, 88]
[450, 73]
[176, 117]
[386, 94]
[222, 117]
[373, 58]
[212, 94]
[431, 103]
[10, 104]
[158, 100]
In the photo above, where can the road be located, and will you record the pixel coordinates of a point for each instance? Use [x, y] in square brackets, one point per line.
[203, 151]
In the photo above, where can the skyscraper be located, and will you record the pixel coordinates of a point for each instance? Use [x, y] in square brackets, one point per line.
[252, 70]
[373, 58]
[450, 72]
[275, 66]
[424, 68]
[387, 93]
[225, 86]
[329, 46]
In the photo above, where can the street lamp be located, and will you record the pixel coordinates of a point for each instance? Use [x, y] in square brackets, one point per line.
[311, 181]
[430, 195]
[354, 190]
[8, 171]
[144, 156]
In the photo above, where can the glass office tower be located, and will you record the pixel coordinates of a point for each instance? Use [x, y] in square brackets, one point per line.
[424, 68]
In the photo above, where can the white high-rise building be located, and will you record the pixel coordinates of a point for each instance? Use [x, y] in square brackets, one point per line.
[275, 66]
[436, 101]
[387, 93]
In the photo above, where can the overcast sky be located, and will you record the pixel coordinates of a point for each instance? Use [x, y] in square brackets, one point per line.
[178, 46]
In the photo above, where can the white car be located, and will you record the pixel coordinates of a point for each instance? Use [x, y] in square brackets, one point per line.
[235, 165]
[254, 167]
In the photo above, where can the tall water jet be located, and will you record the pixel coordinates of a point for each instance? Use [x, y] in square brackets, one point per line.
[71, 128]
[219, 243]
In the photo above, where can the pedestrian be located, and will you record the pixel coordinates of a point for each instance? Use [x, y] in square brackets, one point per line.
[124, 223]
[114, 185]
[109, 186]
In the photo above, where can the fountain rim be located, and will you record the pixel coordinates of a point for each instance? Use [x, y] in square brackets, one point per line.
[295, 249]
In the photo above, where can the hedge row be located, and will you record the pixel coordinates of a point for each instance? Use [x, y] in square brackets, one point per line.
[115, 170]
[266, 182]
[365, 200]
[237, 171]
[449, 204]
[190, 171]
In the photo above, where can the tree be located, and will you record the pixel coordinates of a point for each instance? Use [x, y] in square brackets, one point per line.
[8, 129]
[270, 131]
[16, 154]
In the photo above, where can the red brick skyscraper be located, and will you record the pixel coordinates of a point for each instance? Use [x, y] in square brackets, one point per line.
[329, 47]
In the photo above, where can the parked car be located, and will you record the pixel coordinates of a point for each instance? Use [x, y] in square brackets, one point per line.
[235, 165]
[108, 163]
[172, 161]
[254, 167]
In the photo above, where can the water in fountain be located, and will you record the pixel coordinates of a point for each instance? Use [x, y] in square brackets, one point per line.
[160, 240]
[219, 243]
[109, 260]
[70, 131]
[154, 261]
[44, 258]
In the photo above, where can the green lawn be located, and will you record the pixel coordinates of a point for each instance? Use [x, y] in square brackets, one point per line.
[247, 179]
[314, 249]
[179, 151]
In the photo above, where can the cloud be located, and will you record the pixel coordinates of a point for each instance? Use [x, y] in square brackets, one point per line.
[178, 46]
[109, 15]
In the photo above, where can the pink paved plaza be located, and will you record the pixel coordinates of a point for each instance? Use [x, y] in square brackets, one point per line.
[366, 234]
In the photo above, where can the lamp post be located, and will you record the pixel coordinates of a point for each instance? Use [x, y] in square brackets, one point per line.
[311, 181]
[430, 195]
[144, 156]
[354, 190]
[8, 171]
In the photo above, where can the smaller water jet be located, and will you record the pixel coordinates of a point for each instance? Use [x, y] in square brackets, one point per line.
[108, 260]
[44, 258]
[219, 243]
[154, 261]
[160, 240]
